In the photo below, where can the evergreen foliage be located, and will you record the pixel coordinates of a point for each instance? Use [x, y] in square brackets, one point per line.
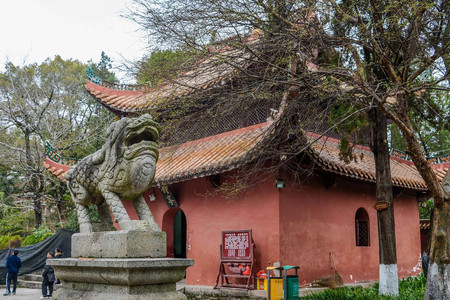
[161, 65]
[10, 241]
[16, 222]
[103, 68]
[38, 235]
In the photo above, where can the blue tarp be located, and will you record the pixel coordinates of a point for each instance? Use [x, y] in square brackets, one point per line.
[34, 256]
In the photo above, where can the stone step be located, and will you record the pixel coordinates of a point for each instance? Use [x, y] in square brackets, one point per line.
[33, 284]
[31, 277]
[29, 284]
[31, 280]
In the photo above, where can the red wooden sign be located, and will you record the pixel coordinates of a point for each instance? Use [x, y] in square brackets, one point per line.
[236, 258]
[237, 244]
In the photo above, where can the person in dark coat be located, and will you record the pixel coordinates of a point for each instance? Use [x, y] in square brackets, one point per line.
[58, 254]
[48, 278]
[13, 264]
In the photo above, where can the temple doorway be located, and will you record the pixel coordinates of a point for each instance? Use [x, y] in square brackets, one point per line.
[174, 225]
[179, 234]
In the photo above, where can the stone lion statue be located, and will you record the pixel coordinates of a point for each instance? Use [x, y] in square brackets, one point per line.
[122, 169]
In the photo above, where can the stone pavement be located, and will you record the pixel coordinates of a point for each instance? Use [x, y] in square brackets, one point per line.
[22, 294]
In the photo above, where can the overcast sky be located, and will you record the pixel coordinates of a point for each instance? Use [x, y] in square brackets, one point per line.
[33, 30]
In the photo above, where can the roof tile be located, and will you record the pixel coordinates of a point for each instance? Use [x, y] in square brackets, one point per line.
[325, 151]
[205, 73]
[209, 155]
[226, 151]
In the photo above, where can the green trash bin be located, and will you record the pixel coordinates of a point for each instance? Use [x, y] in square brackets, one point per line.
[291, 288]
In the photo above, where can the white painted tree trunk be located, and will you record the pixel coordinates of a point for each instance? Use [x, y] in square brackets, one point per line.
[438, 282]
[388, 280]
[387, 249]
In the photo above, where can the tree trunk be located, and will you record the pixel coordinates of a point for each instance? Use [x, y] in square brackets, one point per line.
[438, 279]
[59, 197]
[438, 283]
[33, 182]
[37, 211]
[384, 195]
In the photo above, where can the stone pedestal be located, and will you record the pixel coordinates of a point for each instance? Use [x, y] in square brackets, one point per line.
[119, 265]
[119, 244]
[116, 278]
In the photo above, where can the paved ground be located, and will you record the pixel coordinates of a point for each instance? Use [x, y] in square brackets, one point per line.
[23, 294]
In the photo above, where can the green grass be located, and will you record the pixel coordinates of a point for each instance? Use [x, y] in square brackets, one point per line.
[412, 288]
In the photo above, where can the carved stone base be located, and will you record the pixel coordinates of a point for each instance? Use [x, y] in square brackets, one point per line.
[119, 244]
[124, 279]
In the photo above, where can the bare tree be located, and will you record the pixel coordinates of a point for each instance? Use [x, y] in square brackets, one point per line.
[39, 103]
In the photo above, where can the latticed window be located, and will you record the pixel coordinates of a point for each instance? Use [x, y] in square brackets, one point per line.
[362, 228]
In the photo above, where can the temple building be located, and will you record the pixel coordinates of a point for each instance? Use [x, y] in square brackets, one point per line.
[321, 220]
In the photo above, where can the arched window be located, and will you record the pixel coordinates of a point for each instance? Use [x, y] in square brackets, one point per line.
[362, 228]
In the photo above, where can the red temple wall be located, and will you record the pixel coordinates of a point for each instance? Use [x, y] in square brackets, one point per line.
[294, 226]
[318, 221]
[208, 214]
[407, 232]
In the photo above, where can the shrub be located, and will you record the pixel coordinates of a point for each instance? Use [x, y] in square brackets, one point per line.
[72, 222]
[38, 235]
[16, 222]
[411, 288]
[32, 239]
[346, 293]
[7, 242]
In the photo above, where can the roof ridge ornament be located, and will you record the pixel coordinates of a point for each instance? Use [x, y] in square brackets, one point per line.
[142, 87]
[91, 76]
[51, 153]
